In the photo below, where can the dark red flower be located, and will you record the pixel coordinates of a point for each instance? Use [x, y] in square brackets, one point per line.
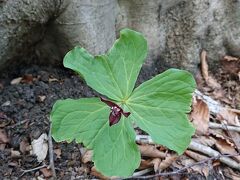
[116, 112]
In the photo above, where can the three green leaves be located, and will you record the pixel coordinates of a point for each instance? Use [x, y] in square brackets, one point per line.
[158, 106]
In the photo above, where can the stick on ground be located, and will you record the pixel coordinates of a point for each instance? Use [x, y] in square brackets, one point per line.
[33, 169]
[200, 148]
[225, 127]
[177, 172]
[50, 149]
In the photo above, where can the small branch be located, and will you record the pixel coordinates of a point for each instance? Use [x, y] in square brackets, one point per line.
[214, 106]
[17, 124]
[211, 152]
[144, 139]
[197, 147]
[225, 127]
[140, 173]
[182, 169]
[51, 160]
[33, 169]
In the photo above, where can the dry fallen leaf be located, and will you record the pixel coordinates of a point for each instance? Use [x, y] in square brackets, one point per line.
[167, 162]
[53, 80]
[205, 140]
[47, 173]
[231, 65]
[4, 120]
[229, 116]
[83, 170]
[231, 174]
[13, 164]
[204, 69]
[156, 164]
[94, 172]
[27, 78]
[40, 147]
[219, 133]
[87, 157]
[220, 94]
[225, 148]
[41, 98]
[199, 80]
[3, 137]
[213, 83]
[24, 146]
[230, 58]
[204, 65]
[235, 136]
[204, 170]
[151, 151]
[15, 154]
[237, 111]
[58, 152]
[200, 116]
[16, 81]
[196, 156]
[145, 164]
[7, 103]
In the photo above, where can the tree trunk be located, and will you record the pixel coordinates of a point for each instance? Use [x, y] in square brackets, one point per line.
[176, 30]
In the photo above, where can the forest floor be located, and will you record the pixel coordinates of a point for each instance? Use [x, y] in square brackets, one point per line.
[28, 93]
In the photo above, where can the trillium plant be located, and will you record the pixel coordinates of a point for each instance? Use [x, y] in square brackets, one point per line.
[104, 124]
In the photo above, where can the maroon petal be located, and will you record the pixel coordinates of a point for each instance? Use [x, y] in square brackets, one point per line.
[114, 119]
[109, 103]
[116, 111]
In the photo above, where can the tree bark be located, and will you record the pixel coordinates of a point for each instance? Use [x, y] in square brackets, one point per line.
[176, 30]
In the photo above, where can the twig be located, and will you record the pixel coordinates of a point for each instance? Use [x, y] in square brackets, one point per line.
[33, 169]
[144, 139]
[51, 160]
[182, 169]
[225, 127]
[197, 147]
[17, 124]
[142, 172]
[214, 106]
[211, 152]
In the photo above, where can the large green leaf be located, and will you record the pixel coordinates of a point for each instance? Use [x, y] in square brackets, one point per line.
[115, 73]
[86, 121]
[159, 107]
